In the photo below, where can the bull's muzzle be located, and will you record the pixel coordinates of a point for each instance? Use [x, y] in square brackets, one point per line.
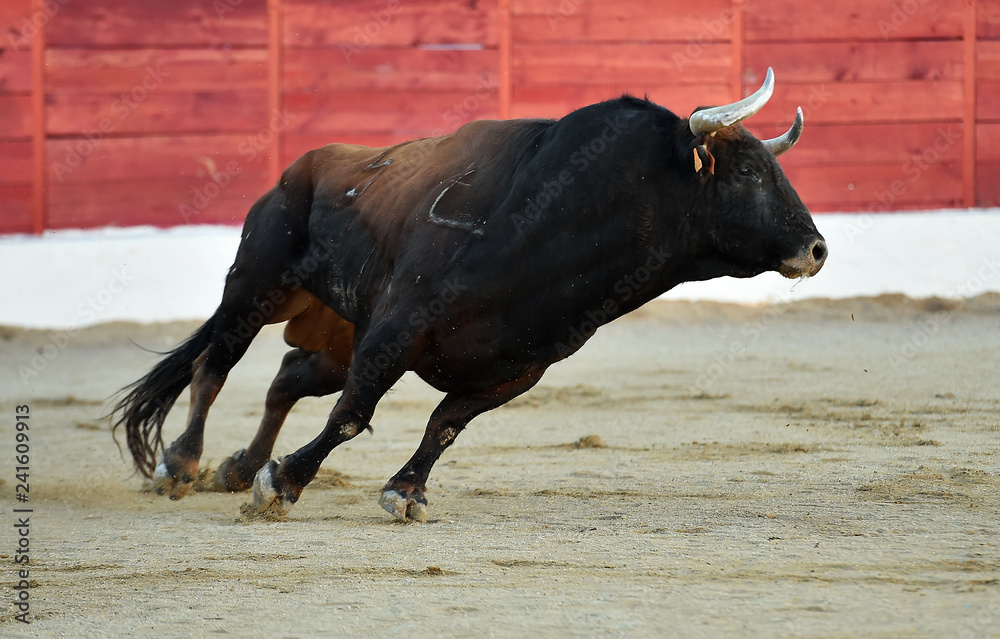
[808, 262]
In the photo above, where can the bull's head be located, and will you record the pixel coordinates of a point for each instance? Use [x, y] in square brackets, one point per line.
[759, 222]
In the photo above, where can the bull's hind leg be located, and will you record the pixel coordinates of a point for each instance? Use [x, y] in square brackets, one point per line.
[403, 496]
[178, 468]
[302, 374]
[256, 293]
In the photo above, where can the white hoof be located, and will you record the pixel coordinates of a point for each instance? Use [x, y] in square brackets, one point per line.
[265, 495]
[403, 508]
[161, 477]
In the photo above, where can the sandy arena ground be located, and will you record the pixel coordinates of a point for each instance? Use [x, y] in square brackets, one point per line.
[825, 468]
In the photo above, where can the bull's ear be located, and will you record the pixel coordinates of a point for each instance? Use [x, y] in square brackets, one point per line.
[704, 161]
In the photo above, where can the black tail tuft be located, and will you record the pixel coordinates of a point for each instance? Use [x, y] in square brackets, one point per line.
[143, 410]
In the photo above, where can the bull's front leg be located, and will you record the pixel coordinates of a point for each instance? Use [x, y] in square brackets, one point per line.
[379, 362]
[403, 496]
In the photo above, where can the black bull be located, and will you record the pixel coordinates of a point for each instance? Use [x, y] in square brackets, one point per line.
[477, 260]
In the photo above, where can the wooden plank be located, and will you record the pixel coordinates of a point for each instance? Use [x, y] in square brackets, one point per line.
[876, 189]
[15, 117]
[969, 103]
[632, 66]
[157, 111]
[355, 25]
[988, 18]
[122, 71]
[692, 23]
[158, 203]
[557, 101]
[988, 80]
[16, 24]
[864, 102]
[505, 46]
[275, 82]
[989, 148]
[409, 114]
[738, 44]
[893, 144]
[17, 201]
[988, 164]
[310, 70]
[988, 100]
[880, 20]
[195, 158]
[853, 61]
[15, 71]
[180, 23]
[16, 162]
[988, 60]
[39, 186]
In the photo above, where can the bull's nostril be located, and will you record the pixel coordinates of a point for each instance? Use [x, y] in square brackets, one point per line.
[819, 251]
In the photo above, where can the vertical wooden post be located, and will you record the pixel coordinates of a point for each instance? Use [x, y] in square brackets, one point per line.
[969, 111]
[505, 46]
[275, 74]
[39, 179]
[736, 71]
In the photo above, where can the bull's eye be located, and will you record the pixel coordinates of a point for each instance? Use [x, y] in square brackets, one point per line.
[748, 173]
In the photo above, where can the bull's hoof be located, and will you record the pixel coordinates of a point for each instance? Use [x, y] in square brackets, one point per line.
[233, 474]
[270, 493]
[175, 476]
[404, 507]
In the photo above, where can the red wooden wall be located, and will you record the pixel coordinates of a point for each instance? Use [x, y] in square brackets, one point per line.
[124, 112]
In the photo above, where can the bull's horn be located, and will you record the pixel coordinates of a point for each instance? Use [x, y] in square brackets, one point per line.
[787, 140]
[712, 119]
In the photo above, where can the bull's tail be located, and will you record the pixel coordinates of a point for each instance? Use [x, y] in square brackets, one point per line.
[145, 406]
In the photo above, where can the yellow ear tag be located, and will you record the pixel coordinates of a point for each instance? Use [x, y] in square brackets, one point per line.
[697, 161]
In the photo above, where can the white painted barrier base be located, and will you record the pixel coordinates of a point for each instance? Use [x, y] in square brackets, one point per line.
[68, 279]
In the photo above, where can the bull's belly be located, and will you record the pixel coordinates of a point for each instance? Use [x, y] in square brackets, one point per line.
[462, 375]
[467, 360]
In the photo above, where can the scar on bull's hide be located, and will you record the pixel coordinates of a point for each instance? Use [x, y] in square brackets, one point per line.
[458, 224]
[354, 192]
